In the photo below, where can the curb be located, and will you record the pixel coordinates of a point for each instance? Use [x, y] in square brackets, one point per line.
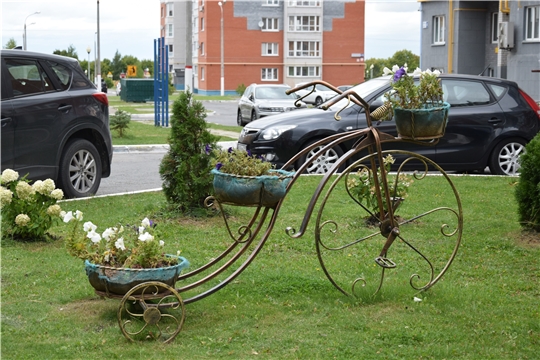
[159, 148]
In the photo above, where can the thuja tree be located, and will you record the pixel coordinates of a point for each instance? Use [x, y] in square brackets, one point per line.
[185, 169]
[528, 188]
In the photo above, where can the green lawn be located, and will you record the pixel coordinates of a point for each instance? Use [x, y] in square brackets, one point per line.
[283, 307]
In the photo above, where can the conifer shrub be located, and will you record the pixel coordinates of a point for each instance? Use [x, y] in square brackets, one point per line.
[528, 188]
[185, 169]
[119, 122]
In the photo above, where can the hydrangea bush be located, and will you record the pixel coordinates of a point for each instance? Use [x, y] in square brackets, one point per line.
[28, 211]
[120, 246]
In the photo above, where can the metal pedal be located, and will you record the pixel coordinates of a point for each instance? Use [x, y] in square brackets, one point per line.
[385, 262]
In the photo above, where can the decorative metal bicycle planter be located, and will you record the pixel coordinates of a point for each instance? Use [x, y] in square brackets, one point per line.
[408, 241]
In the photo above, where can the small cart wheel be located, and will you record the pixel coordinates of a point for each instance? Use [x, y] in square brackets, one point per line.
[151, 310]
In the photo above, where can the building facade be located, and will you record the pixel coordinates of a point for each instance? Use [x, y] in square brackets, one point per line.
[493, 38]
[264, 41]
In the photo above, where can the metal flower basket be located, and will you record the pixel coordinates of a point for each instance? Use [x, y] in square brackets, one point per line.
[264, 190]
[119, 281]
[422, 124]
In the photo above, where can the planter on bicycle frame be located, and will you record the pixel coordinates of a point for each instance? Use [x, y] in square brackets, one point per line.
[421, 124]
[264, 190]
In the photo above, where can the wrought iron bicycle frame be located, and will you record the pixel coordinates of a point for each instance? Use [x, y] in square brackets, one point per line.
[369, 138]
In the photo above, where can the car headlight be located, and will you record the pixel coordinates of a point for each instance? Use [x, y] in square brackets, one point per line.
[275, 131]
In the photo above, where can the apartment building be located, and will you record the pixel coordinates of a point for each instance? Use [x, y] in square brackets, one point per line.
[264, 41]
[498, 38]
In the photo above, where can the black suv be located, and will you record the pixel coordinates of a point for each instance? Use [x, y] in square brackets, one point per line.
[55, 123]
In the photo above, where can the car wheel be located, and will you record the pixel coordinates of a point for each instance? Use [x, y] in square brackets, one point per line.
[323, 163]
[253, 116]
[504, 159]
[318, 101]
[239, 119]
[80, 169]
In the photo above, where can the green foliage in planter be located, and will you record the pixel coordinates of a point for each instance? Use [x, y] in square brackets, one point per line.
[185, 169]
[528, 188]
[120, 122]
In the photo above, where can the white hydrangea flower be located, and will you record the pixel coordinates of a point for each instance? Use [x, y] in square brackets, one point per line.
[57, 194]
[39, 187]
[24, 191]
[48, 185]
[9, 175]
[5, 196]
[54, 210]
[22, 220]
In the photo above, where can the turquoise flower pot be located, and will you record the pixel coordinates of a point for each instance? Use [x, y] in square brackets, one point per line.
[422, 124]
[265, 190]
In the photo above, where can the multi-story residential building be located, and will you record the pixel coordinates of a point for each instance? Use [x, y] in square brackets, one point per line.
[494, 38]
[270, 41]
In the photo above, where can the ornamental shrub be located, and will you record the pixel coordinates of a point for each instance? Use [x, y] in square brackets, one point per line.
[528, 188]
[28, 211]
[185, 169]
[120, 122]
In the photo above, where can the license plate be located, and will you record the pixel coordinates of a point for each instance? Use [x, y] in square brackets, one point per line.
[241, 146]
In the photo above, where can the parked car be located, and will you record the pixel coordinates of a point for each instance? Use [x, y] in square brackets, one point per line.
[261, 100]
[344, 87]
[318, 96]
[55, 123]
[490, 121]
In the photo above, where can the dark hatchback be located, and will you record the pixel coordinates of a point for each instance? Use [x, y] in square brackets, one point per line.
[55, 123]
[490, 121]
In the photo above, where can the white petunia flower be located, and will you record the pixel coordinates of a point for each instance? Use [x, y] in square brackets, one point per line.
[145, 222]
[89, 226]
[107, 233]
[146, 237]
[79, 215]
[417, 71]
[94, 236]
[68, 216]
[161, 243]
[120, 244]
[386, 71]
[395, 68]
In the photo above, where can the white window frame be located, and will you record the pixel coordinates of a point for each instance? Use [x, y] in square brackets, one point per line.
[202, 48]
[310, 3]
[270, 49]
[305, 23]
[495, 28]
[532, 23]
[170, 30]
[202, 73]
[269, 74]
[270, 24]
[271, 3]
[439, 30]
[202, 24]
[304, 49]
[304, 71]
[170, 7]
[171, 50]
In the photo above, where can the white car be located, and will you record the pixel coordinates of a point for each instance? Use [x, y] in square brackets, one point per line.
[318, 96]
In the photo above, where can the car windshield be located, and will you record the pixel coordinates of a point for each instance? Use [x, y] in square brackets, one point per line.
[269, 92]
[364, 89]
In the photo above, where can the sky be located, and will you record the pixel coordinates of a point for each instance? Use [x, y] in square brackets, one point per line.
[130, 26]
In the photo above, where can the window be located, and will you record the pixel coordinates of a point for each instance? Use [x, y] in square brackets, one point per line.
[170, 30]
[269, 74]
[465, 93]
[304, 71]
[304, 48]
[304, 3]
[495, 28]
[202, 24]
[270, 24]
[270, 49]
[271, 3]
[162, 11]
[171, 52]
[304, 23]
[170, 9]
[27, 77]
[202, 73]
[438, 30]
[532, 23]
[202, 48]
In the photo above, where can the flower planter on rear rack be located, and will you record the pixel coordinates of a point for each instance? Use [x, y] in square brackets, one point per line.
[421, 124]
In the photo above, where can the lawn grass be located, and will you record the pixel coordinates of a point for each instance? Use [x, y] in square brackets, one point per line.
[282, 306]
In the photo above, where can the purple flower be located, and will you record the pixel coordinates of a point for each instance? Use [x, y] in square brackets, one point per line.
[207, 149]
[249, 152]
[219, 165]
[399, 74]
[230, 150]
